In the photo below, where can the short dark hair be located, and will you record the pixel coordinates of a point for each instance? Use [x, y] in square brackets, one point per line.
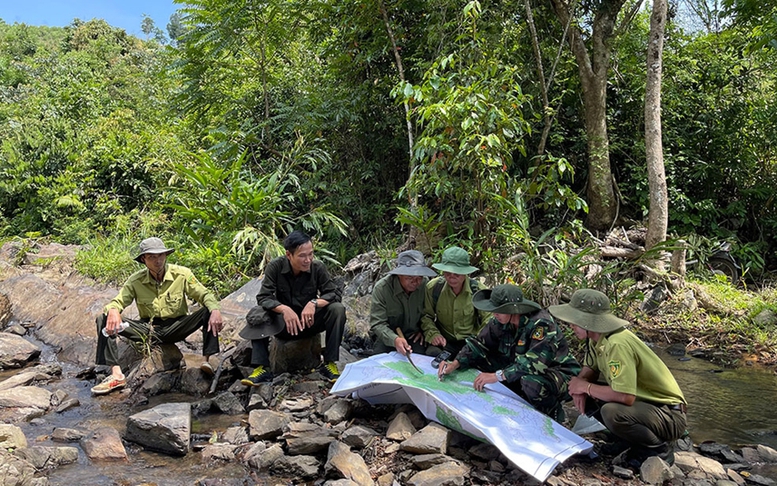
[295, 240]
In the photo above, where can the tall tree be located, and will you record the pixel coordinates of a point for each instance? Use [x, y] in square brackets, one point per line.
[593, 67]
[658, 216]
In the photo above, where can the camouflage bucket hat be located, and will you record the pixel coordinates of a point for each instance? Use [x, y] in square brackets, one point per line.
[152, 245]
[411, 263]
[589, 309]
[504, 299]
[455, 260]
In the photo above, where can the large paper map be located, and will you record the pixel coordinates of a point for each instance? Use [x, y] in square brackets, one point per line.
[531, 440]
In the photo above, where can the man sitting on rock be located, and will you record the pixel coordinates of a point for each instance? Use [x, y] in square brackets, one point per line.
[159, 291]
[639, 401]
[301, 301]
[398, 303]
[522, 347]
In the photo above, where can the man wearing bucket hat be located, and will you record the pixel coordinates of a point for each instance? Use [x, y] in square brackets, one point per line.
[398, 302]
[300, 300]
[160, 291]
[449, 316]
[522, 347]
[640, 400]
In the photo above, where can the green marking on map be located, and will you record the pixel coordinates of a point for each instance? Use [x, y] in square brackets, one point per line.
[450, 420]
[450, 384]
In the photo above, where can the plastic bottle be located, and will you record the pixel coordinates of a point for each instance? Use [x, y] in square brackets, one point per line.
[122, 326]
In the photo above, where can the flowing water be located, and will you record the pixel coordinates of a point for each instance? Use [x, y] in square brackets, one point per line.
[730, 406]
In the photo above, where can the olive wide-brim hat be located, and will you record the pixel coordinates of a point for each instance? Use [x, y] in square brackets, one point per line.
[152, 245]
[411, 263]
[504, 299]
[589, 309]
[260, 325]
[455, 260]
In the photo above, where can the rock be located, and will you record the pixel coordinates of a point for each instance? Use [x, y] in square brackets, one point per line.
[229, 404]
[11, 437]
[484, 451]
[655, 471]
[326, 404]
[431, 439]
[310, 387]
[736, 479]
[193, 382]
[104, 444]
[266, 424]
[25, 397]
[760, 480]
[165, 428]
[236, 435]
[260, 457]
[68, 404]
[15, 351]
[16, 329]
[676, 349]
[704, 466]
[400, 428]
[48, 457]
[339, 412]
[765, 319]
[160, 383]
[261, 397]
[297, 404]
[386, 479]
[62, 434]
[295, 355]
[622, 472]
[653, 299]
[304, 467]
[21, 379]
[342, 461]
[425, 461]
[15, 471]
[201, 407]
[767, 453]
[162, 357]
[358, 436]
[218, 452]
[448, 474]
[5, 311]
[751, 455]
[310, 440]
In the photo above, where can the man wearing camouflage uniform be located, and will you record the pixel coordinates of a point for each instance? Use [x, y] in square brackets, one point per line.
[522, 347]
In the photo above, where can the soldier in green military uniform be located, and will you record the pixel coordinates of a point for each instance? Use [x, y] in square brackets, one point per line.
[640, 401]
[521, 347]
[160, 291]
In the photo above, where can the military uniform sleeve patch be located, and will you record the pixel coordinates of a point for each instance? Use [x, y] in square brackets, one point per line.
[615, 368]
[192, 280]
[538, 334]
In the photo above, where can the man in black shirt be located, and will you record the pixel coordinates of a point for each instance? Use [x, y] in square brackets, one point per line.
[301, 300]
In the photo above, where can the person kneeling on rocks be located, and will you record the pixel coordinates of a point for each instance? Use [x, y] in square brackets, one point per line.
[160, 291]
[640, 402]
[522, 347]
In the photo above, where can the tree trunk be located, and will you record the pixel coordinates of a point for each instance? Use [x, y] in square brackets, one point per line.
[602, 201]
[658, 213]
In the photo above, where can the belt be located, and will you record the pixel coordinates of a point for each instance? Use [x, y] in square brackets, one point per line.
[679, 407]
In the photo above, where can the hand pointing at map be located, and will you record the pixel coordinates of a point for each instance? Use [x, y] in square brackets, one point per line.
[447, 367]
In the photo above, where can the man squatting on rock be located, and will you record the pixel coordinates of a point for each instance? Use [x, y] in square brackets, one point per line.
[522, 347]
[160, 291]
[301, 301]
[398, 303]
[639, 400]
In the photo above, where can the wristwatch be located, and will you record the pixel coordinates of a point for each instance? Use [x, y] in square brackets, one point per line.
[314, 302]
[500, 375]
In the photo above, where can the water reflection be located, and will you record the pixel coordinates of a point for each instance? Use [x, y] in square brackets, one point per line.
[730, 406]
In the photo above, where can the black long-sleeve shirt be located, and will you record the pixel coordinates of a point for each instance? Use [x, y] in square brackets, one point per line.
[280, 286]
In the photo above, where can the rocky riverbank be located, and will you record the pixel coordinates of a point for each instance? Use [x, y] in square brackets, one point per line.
[288, 432]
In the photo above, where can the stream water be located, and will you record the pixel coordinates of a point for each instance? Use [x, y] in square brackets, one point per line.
[726, 406]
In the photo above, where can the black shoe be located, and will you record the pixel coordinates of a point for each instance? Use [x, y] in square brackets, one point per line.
[613, 448]
[637, 455]
[259, 376]
[329, 371]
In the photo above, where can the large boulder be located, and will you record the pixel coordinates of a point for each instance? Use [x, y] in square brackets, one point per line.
[15, 351]
[165, 428]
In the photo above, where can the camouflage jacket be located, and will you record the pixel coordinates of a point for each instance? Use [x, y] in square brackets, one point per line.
[536, 347]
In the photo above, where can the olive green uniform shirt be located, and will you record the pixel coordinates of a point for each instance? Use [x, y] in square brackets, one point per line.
[166, 299]
[391, 307]
[630, 366]
[454, 316]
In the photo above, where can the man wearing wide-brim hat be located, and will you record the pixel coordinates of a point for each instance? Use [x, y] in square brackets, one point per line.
[398, 303]
[160, 291]
[640, 401]
[521, 347]
[449, 316]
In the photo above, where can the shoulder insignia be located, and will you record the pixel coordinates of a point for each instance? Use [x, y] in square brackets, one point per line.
[192, 280]
[615, 368]
[521, 342]
[538, 334]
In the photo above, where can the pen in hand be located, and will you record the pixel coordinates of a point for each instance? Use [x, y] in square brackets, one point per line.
[442, 372]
